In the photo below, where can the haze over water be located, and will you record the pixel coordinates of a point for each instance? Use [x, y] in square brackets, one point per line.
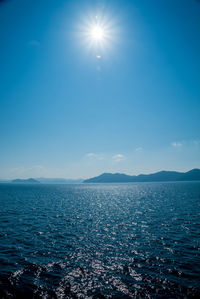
[100, 241]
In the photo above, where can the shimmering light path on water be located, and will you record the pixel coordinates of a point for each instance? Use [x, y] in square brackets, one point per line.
[100, 241]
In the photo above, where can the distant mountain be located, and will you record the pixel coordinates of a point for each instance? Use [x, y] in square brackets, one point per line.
[58, 181]
[4, 181]
[27, 181]
[162, 176]
[44, 181]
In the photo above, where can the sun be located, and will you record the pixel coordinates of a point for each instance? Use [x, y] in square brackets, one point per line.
[97, 33]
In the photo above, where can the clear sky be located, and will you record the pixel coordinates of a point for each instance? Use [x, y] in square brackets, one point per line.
[74, 107]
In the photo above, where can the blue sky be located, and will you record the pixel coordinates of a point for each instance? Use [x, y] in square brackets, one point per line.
[66, 113]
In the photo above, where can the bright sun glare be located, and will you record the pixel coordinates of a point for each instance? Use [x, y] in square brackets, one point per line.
[97, 33]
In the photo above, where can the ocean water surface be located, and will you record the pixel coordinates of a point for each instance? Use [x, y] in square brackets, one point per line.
[100, 241]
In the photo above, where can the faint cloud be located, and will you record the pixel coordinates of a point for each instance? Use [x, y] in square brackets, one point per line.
[100, 157]
[34, 43]
[98, 56]
[196, 142]
[95, 156]
[36, 170]
[139, 149]
[118, 157]
[176, 144]
[90, 155]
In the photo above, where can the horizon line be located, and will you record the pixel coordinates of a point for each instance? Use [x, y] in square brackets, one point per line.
[82, 179]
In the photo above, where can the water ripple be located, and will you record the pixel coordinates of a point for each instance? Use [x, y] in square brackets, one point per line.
[100, 241]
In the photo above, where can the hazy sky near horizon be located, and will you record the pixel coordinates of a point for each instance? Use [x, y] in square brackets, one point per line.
[74, 108]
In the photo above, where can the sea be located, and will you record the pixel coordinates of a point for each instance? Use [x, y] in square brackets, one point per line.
[136, 240]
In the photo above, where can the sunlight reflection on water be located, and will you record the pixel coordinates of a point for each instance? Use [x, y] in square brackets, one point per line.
[100, 241]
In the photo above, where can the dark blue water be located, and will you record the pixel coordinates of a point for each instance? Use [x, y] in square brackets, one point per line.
[100, 241]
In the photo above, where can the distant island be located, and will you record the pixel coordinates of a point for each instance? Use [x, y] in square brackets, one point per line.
[59, 181]
[162, 176]
[27, 181]
[43, 181]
